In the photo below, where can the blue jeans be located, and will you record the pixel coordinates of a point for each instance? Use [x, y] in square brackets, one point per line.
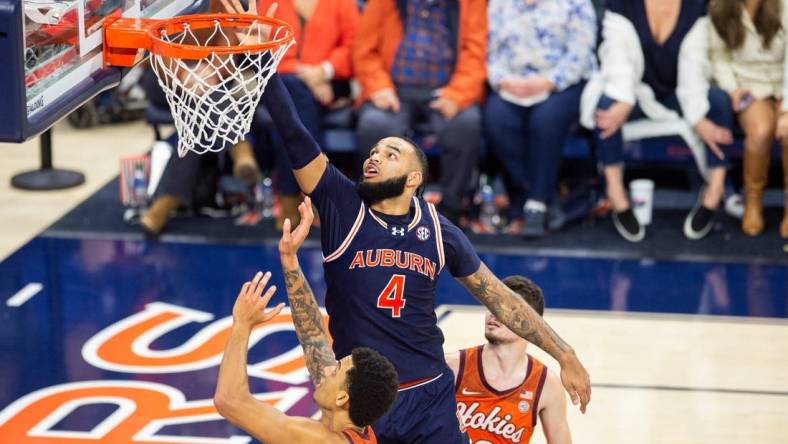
[529, 141]
[611, 150]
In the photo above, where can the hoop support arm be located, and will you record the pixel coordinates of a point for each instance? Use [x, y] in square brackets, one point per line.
[125, 38]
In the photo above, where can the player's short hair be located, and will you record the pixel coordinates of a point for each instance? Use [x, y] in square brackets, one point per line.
[528, 290]
[372, 385]
[421, 157]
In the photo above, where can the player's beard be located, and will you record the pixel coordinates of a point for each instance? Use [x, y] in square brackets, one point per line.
[372, 193]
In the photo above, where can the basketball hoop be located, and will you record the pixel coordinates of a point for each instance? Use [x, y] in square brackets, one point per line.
[213, 69]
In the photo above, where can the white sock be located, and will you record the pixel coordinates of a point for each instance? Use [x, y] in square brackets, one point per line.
[535, 205]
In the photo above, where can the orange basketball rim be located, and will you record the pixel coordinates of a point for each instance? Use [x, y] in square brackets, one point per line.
[125, 37]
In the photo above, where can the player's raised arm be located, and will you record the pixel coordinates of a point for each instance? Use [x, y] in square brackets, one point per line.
[516, 314]
[233, 399]
[306, 158]
[306, 313]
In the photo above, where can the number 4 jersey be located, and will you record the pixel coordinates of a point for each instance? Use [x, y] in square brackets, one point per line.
[381, 273]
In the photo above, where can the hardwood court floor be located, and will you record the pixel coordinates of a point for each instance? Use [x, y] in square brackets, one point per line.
[95, 152]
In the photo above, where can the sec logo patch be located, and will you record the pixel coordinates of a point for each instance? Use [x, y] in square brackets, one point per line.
[523, 406]
[423, 233]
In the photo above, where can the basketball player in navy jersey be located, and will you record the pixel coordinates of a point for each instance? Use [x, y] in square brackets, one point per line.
[384, 249]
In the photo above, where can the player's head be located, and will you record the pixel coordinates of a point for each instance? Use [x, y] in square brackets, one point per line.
[494, 330]
[364, 384]
[396, 166]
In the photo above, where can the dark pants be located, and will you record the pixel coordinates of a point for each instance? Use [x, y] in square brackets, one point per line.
[529, 141]
[459, 138]
[193, 178]
[611, 150]
[423, 415]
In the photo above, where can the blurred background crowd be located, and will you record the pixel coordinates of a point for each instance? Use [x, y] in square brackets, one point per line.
[529, 110]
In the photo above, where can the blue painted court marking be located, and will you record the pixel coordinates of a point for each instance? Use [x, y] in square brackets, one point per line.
[24, 294]
[143, 321]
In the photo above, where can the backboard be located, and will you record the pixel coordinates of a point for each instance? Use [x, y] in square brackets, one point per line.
[51, 53]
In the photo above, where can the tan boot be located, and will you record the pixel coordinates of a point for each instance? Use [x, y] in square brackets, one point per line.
[289, 206]
[244, 165]
[784, 223]
[156, 217]
[756, 174]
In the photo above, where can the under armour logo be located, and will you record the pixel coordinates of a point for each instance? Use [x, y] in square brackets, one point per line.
[397, 231]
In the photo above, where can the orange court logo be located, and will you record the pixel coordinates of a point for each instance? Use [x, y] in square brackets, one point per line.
[125, 345]
[143, 408]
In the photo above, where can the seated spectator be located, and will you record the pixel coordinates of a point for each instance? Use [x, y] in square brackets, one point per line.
[748, 54]
[423, 61]
[539, 55]
[182, 181]
[316, 71]
[641, 56]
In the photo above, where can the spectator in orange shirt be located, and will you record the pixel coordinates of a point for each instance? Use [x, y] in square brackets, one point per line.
[316, 71]
[424, 61]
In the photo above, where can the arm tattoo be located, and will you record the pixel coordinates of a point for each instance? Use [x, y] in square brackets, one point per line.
[309, 325]
[513, 311]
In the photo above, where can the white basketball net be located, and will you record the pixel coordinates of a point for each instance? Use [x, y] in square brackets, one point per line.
[213, 100]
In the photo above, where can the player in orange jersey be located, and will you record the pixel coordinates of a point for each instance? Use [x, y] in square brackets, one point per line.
[352, 393]
[501, 389]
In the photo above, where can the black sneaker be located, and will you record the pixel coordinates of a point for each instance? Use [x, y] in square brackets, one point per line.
[534, 225]
[699, 222]
[628, 226]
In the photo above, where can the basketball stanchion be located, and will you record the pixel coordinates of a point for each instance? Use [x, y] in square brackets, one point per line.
[213, 69]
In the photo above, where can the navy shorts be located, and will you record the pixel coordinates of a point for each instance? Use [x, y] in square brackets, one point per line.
[423, 414]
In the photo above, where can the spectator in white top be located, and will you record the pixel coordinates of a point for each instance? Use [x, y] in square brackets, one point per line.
[643, 53]
[748, 53]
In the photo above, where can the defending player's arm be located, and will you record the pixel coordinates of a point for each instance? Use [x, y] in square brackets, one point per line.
[552, 411]
[233, 399]
[306, 313]
[516, 314]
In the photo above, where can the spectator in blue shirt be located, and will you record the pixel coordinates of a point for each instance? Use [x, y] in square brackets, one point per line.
[539, 55]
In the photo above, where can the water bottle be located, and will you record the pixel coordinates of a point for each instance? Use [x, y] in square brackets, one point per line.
[489, 219]
[267, 197]
[139, 186]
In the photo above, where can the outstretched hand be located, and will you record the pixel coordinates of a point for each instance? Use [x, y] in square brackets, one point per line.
[291, 241]
[250, 307]
[244, 37]
[714, 136]
[576, 381]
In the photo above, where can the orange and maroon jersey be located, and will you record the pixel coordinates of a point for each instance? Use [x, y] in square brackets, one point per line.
[497, 417]
[365, 437]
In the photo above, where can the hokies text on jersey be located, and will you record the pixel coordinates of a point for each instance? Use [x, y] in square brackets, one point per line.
[491, 422]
